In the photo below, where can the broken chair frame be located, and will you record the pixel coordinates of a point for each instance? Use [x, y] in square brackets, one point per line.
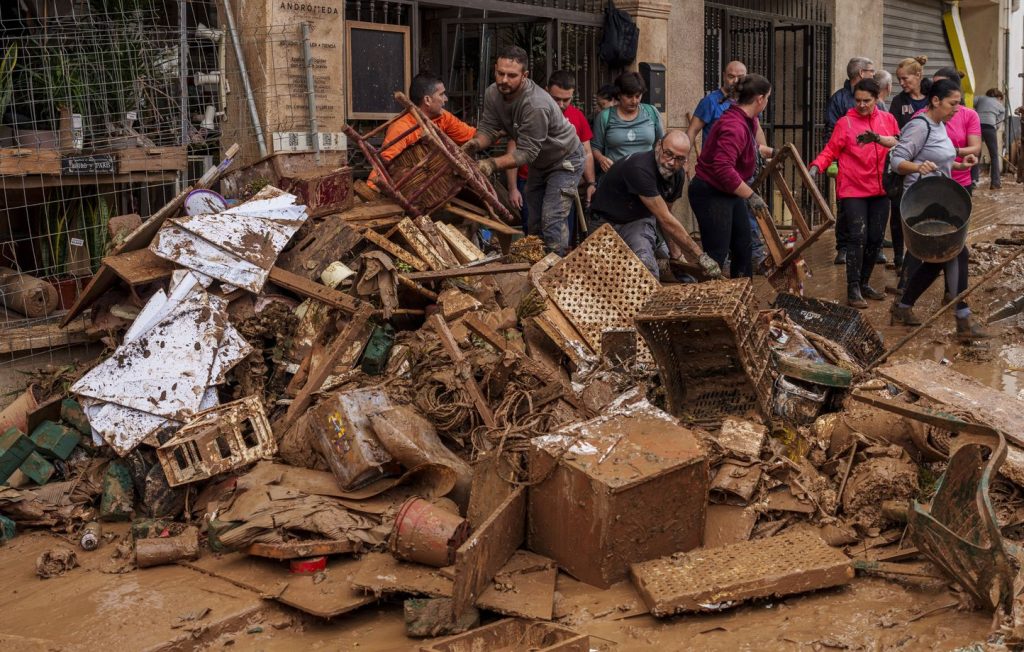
[443, 159]
[784, 270]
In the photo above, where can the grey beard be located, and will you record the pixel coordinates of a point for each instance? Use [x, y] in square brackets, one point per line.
[665, 172]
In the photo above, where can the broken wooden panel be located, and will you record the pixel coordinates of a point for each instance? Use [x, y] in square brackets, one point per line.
[600, 285]
[524, 587]
[741, 438]
[313, 290]
[420, 245]
[396, 251]
[139, 267]
[381, 573]
[735, 482]
[712, 579]
[461, 246]
[491, 486]
[565, 336]
[603, 506]
[951, 388]
[237, 246]
[488, 549]
[221, 439]
[328, 597]
[513, 634]
[727, 524]
[177, 348]
[436, 240]
[577, 601]
[328, 240]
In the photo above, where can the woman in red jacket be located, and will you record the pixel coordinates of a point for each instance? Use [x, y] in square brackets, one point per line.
[719, 193]
[860, 142]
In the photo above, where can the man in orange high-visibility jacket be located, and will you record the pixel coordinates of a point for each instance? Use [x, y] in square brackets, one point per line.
[428, 93]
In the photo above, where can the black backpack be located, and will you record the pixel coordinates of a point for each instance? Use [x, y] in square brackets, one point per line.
[620, 38]
[892, 182]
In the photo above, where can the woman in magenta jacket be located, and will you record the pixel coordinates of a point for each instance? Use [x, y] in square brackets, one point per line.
[860, 142]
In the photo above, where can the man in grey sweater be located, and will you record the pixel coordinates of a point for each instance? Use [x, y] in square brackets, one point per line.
[545, 141]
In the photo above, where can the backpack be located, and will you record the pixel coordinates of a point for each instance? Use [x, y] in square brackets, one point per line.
[892, 182]
[620, 38]
[649, 110]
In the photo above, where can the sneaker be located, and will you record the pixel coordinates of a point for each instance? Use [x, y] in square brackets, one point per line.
[840, 257]
[869, 292]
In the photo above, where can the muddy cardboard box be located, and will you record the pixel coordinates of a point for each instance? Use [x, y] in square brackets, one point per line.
[625, 487]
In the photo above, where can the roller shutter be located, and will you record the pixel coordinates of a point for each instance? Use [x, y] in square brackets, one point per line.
[911, 28]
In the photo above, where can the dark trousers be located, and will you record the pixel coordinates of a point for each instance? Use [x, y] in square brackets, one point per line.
[841, 227]
[865, 228]
[922, 275]
[896, 229]
[988, 135]
[724, 227]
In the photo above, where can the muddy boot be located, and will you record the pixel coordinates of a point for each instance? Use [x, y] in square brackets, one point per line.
[967, 330]
[903, 315]
[869, 292]
[854, 298]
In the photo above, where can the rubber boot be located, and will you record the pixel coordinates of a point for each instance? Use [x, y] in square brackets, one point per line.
[967, 330]
[854, 298]
[871, 293]
[905, 316]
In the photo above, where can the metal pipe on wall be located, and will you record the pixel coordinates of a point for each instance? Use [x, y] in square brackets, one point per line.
[314, 130]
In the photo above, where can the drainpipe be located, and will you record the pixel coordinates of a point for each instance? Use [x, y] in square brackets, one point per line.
[250, 100]
[314, 128]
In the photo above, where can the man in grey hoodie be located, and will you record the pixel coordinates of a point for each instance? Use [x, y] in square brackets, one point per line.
[545, 141]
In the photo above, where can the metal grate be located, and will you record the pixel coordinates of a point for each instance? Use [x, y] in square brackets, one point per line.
[846, 326]
[709, 579]
[601, 285]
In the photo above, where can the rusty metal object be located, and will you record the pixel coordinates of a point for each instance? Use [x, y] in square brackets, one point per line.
[958, 531]
[220, 439]
[427, 534]
[712, 579]
[167, 550]
[431, 172]
[711, 358]
[601, 285]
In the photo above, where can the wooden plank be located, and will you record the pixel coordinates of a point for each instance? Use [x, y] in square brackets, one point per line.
[140, 266]
[951, 388]
[344, 350]
[462, 369]
[925, 415]
[791, 203]
[396, 251]
[478, 270]
[436, 240]
[489, 548]
[151, 159]
[47, 335]
[329, 240]
[363, 191]
[494, 225]
[372, 210]
[314, 290]
[420, 245]
[22, 161]
[464, 250]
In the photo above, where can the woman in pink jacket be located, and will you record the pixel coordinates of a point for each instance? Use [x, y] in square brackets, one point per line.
[860, 142]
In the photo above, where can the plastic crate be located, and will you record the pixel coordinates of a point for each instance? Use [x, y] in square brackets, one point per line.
[841, 324]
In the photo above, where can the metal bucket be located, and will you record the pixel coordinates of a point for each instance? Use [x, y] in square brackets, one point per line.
[935, 211]
[427, 534]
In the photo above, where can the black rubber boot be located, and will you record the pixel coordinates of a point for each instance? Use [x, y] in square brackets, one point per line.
[854, 297]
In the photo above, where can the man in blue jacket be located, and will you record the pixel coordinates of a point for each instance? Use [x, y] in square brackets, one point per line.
[841, 101]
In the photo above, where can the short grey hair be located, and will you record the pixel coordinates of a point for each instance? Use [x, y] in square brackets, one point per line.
[884, 79]
[856, 65]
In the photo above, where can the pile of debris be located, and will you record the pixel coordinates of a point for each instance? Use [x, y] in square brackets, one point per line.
[334, 400]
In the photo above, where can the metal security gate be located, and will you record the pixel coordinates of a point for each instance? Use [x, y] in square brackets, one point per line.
[794, 51]
[911, 28]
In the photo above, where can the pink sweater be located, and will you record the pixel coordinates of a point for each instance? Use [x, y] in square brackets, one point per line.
[860, 166]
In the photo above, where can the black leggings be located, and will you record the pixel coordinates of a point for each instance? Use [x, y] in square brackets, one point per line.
[724, 227]
[922, 275]
[865, 228]
[896, 229]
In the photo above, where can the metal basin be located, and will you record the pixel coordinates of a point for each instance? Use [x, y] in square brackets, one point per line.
[935, 213]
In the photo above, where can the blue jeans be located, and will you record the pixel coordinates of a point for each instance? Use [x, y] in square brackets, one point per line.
[524, 213]
[549, 198]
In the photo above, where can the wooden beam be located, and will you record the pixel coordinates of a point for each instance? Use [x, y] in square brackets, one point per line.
[479, 270]
[401, 254]
[314, 290]
[494, 225]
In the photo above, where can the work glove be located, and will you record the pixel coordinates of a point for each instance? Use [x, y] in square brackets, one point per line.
[486, 166]
[710, 267]
[869, 137]
[471, 147]
[756, 203]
